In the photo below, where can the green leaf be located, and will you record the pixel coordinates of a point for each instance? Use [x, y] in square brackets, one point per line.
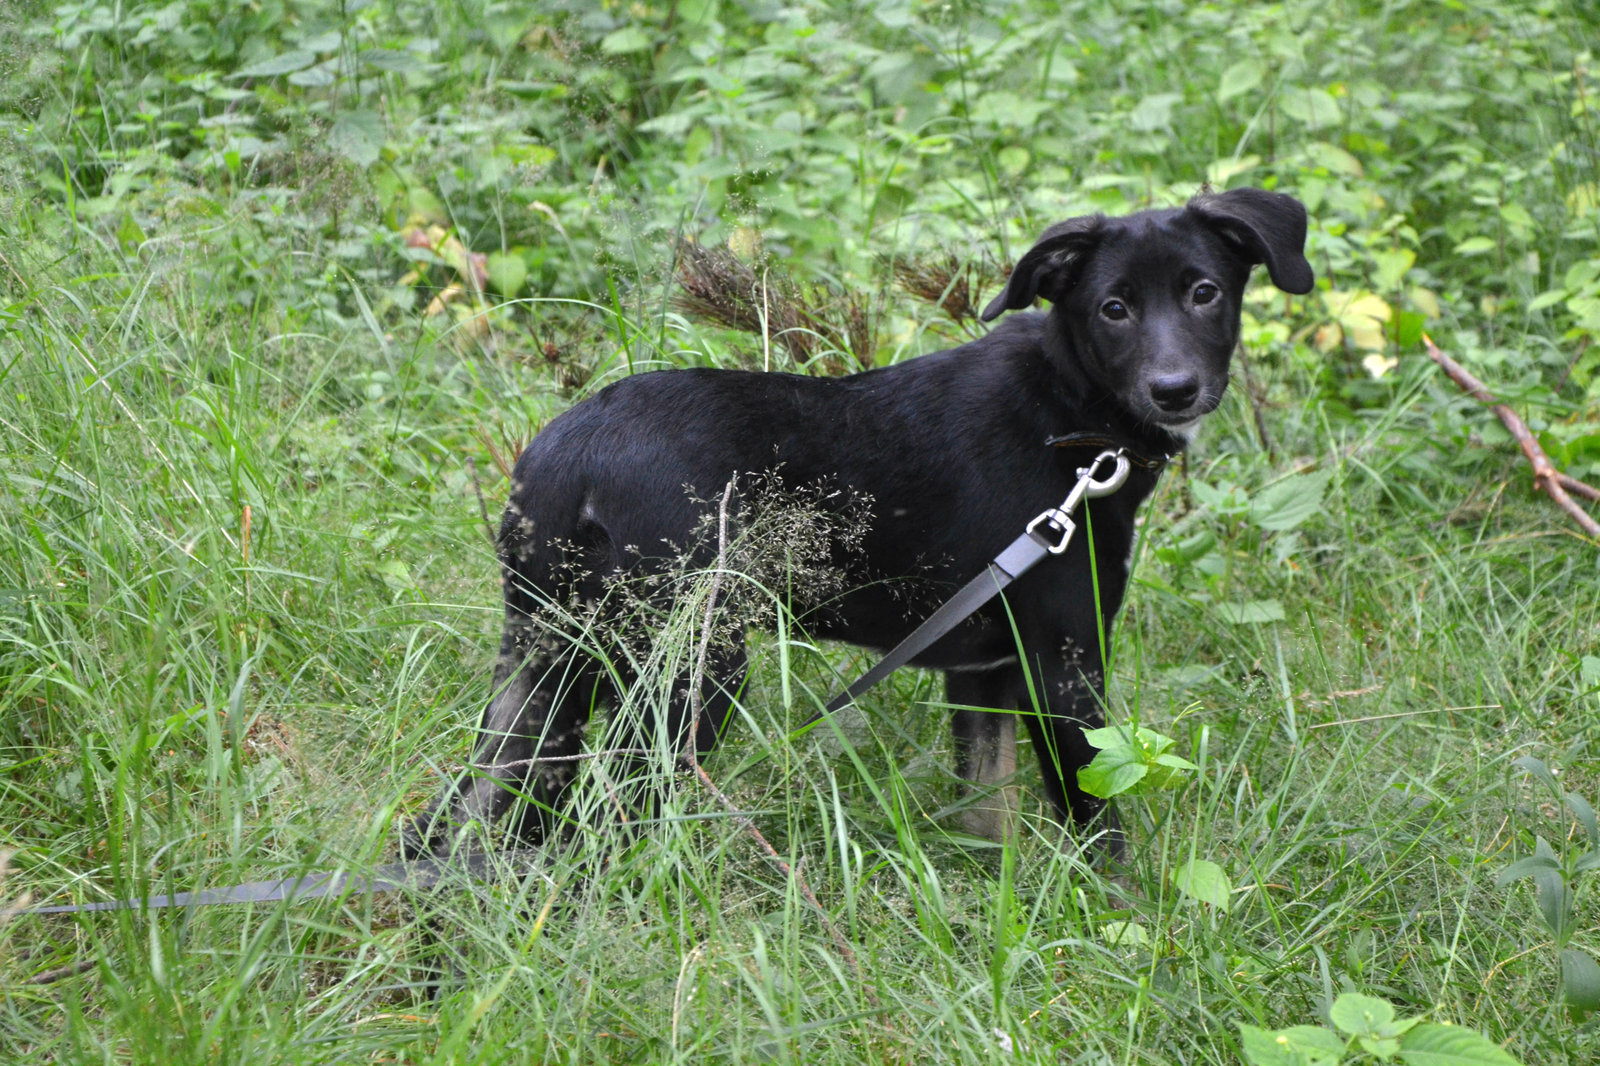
[1451, 1045]
[1110, 736]
[1392, 265]
[1154, 112]
[507, 273]
[1408, 327]
[1361, 1015]
[1240, 78]
[1313, 107]
[358, 136]
[1475, 246]
[1551, 891]
[1112, 771]
[1547, 299]
[1205, 881]
[1585, 815]
[1537, 768]
[1524, 868]
[1250, 612]
[393, 60]
[1188, 550]
[1379, 1047]
[1580, 980]
[626, 40]
[1290, 502]
[284, 63]
[1300, 1045]
[1125, 934]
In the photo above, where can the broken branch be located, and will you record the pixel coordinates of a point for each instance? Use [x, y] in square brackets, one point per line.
[1546, 478]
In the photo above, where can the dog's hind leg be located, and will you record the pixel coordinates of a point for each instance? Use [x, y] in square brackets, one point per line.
[986, 748]
[528, 736]
[656, 747]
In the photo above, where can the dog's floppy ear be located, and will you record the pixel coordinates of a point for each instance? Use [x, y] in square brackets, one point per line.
[1267, 227]
[1057, 249]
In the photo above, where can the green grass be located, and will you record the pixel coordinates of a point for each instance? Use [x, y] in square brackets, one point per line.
[205, 313]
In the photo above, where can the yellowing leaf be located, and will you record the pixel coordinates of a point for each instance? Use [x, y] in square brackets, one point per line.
[1379, 365]
[1362, 315]
[1425, 300]
[1392, 266]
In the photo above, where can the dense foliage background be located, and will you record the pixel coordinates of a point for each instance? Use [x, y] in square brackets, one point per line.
[283, 283]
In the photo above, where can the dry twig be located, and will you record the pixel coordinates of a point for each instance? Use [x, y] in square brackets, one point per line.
[1546, 477]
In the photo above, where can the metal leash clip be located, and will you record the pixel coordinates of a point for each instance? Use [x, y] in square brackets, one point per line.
[1060, 520]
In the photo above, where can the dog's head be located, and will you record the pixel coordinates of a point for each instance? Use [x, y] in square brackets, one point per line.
[1149, 302]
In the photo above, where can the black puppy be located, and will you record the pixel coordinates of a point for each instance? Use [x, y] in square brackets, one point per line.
[949, 453]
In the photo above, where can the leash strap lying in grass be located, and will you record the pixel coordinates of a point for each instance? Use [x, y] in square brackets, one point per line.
[390, 877]
[1048, 534]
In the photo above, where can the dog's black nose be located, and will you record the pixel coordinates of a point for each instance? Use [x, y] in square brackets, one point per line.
[1175, 392]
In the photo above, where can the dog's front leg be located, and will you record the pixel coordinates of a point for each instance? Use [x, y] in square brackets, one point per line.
[1067, 699]
[986, 747]
[529, 732]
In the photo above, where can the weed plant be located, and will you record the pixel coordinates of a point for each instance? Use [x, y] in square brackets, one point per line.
[273, 277]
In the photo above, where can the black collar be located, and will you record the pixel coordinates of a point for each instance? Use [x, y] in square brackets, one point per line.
[1103, 440]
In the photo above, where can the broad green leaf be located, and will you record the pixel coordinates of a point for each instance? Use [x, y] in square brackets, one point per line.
[1313, 107]
[1225, 498]
[1110, 736]
[1290, 502]
[1300, 1045]
[1580, 980]
[1189, 549]
[1379, 1047]
[1475, 246]
[1451, 1045]
[1013, 159]
[1240, 78]
[1250, 612]
[507, 273]
[1124, 934]
[1154, 112]
[1205, 881]
[284, 63]
[1392, 265]
[317, 77]
[628, 39]
[1356, 1014]
[393, 60]
[1547, 299]
[358, 136]
[1408, 326]
[1112, 771]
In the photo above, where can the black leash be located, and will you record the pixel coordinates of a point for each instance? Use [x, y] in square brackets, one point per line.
[1048, 534]
[317, 884]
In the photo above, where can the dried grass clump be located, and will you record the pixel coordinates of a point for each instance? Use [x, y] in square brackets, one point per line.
[946, 281]
[817, 320]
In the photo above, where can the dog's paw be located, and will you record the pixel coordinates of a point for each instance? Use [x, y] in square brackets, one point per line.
[426, 835]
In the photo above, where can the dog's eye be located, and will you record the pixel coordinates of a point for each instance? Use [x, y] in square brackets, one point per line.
[1115, 310]
[1205, 292]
